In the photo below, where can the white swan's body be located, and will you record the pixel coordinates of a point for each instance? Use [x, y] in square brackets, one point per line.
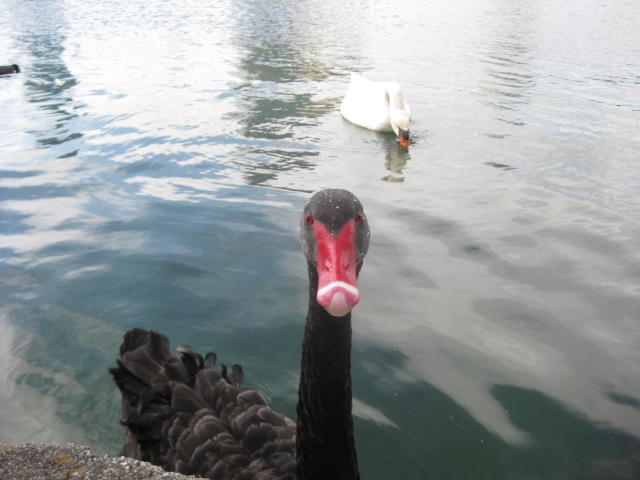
[378, 106]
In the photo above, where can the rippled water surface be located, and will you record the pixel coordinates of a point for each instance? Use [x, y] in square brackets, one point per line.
[155, 157]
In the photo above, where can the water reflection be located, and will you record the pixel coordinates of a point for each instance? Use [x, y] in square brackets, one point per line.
[29, 403]
[605, 452]
[508, 51]
[45, 196]
[504, 331]
[280, 99]
[395, 161]
[501, 166]
[49, 83]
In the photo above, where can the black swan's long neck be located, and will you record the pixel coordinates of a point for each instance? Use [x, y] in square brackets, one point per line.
[325, 442]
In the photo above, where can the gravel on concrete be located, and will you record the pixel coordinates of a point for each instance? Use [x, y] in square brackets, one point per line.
[40, 461]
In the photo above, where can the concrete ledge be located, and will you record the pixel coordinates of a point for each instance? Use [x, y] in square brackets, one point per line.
[40, 461]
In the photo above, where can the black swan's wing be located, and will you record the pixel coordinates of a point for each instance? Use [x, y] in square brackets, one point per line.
[182, 414]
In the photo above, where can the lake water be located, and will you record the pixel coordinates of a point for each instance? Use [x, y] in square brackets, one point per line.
[155, 158]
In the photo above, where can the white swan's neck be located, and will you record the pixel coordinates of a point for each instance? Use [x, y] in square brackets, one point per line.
[396, 99]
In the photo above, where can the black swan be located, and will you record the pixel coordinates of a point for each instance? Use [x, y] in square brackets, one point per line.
[184, 415]
[7, 69]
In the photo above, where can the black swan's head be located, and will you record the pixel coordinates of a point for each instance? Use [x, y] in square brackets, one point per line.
[334, 235]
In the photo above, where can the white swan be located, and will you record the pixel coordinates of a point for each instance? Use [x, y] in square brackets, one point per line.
[377, 106]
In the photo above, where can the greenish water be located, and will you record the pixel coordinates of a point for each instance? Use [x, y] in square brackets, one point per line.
[155, 158]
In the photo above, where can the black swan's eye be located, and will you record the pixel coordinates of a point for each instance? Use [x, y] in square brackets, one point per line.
[359, 217]
[309, 219]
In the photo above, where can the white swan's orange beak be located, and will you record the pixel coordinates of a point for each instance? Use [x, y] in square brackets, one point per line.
[336, 262]
[403, 136]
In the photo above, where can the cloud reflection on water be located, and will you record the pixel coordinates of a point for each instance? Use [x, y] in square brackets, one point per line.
[472, 319]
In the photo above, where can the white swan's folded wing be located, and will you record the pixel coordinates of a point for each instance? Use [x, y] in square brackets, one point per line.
[367, 104]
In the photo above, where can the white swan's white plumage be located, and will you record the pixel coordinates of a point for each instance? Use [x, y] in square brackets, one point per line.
[378, 106]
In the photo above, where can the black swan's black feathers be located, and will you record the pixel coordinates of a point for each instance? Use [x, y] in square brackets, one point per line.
[186, 416]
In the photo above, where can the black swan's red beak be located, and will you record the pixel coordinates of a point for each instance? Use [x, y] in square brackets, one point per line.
[336, 262]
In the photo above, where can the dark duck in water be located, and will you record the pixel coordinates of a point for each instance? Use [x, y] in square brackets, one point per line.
[9, 69]
[181, 413]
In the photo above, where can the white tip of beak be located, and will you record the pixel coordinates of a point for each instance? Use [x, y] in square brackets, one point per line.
[338, 298]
